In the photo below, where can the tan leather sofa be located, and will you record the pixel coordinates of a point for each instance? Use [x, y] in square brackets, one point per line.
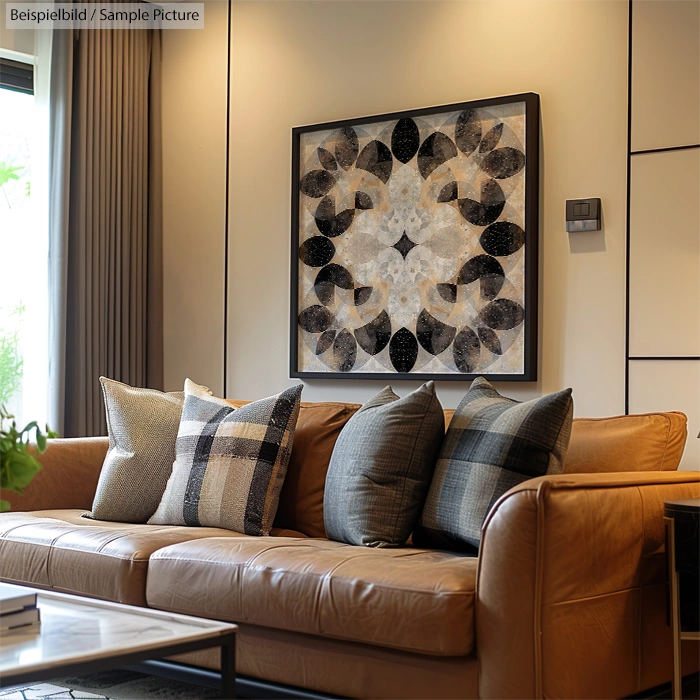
[566, 598]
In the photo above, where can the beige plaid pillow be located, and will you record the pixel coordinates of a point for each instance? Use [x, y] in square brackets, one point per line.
[229, 463]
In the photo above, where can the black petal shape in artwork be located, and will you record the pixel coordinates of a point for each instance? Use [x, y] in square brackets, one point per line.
[362, 295]
[325, 208]
[468, 132]
[374, 336]
[405, 140]
[466, 350]
[403, 350]
[328, 222]
[316, 251]
[502, 314]
[434, 151]
[489, 339]
[317, 183]
[448, 292]
[363, 201]
[490, 141]
[315, 319]
[434, 335]
[330, 277]
[344, 351]
[485, 269]
[346, 147]
[326, 159]
[404, 245]
[502, 238]
[503, 162]
[488, 209]
[325, 341]
[376, 158]
[448, 193]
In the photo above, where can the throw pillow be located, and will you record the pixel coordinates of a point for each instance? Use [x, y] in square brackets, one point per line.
[142, 426]
[381, 468]
[229, 463]
[493, 443]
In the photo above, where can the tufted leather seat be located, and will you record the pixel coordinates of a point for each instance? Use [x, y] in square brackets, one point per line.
[61, 550]
[411, 599]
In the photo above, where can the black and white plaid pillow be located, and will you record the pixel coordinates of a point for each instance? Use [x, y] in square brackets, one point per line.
[229, 463]
[492, 444]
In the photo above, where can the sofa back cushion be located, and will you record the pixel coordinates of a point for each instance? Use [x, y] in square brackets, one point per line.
[301, 500]
[636, 443]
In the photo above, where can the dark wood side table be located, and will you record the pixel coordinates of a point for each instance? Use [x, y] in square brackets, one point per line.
[682, 520]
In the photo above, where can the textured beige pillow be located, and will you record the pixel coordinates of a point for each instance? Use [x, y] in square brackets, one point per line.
[142, 426]
[229, 463]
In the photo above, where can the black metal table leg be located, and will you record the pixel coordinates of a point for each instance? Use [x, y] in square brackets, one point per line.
[228, 667]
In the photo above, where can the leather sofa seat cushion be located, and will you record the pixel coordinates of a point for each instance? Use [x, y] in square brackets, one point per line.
[60, 550]
[636, 443]
[411, 599]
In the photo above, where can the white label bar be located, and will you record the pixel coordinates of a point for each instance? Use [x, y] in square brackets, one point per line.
[176, 15]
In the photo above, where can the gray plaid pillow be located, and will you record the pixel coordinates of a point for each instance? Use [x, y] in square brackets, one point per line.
[492, 444]
[381, 468]
[229, 463]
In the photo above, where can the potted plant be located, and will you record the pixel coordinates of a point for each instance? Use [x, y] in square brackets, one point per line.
[17, 464]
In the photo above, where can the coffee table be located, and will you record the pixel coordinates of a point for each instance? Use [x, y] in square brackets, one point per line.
[80, 635]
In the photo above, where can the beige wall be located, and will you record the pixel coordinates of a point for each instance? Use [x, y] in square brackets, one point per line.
[20, 40]
[665, 214]
[194, 176]
[301, 62]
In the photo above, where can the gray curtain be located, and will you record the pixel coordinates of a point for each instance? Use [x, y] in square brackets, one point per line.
[106, 238]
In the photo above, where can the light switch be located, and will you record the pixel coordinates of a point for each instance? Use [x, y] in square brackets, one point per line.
[583, 214]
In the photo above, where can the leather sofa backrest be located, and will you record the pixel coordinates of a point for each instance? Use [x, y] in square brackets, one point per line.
[644, 442]
[638, 443]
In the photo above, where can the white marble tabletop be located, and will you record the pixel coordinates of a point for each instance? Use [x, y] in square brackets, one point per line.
[76, 629]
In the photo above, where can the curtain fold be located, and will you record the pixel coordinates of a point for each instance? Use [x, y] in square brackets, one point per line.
[55, 57]
[108, 276]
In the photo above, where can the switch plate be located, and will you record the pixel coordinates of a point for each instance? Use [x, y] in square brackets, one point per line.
[583, 214]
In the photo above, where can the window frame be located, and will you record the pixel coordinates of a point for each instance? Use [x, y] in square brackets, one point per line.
[16, 76]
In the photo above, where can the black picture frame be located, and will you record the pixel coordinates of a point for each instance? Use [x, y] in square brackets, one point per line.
[530, 217]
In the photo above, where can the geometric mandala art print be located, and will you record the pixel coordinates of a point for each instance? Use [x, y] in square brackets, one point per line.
[414, 244]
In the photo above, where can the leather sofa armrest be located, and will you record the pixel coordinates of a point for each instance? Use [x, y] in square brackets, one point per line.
[571, 587]
[68, 478]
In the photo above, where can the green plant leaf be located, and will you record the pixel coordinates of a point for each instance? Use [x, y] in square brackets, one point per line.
[4, 506]
[18, 466]
[23, 467]
[8, 172]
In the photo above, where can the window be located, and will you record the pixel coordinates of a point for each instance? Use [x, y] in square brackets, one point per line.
[23, 251]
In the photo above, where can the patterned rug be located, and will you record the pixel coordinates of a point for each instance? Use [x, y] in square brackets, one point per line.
[111, 685]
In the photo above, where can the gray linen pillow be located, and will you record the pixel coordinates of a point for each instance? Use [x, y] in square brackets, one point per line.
[142, 425]
[492, 444]
[381, 468]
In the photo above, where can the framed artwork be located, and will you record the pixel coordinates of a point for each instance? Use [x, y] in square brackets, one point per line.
[414, 244]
